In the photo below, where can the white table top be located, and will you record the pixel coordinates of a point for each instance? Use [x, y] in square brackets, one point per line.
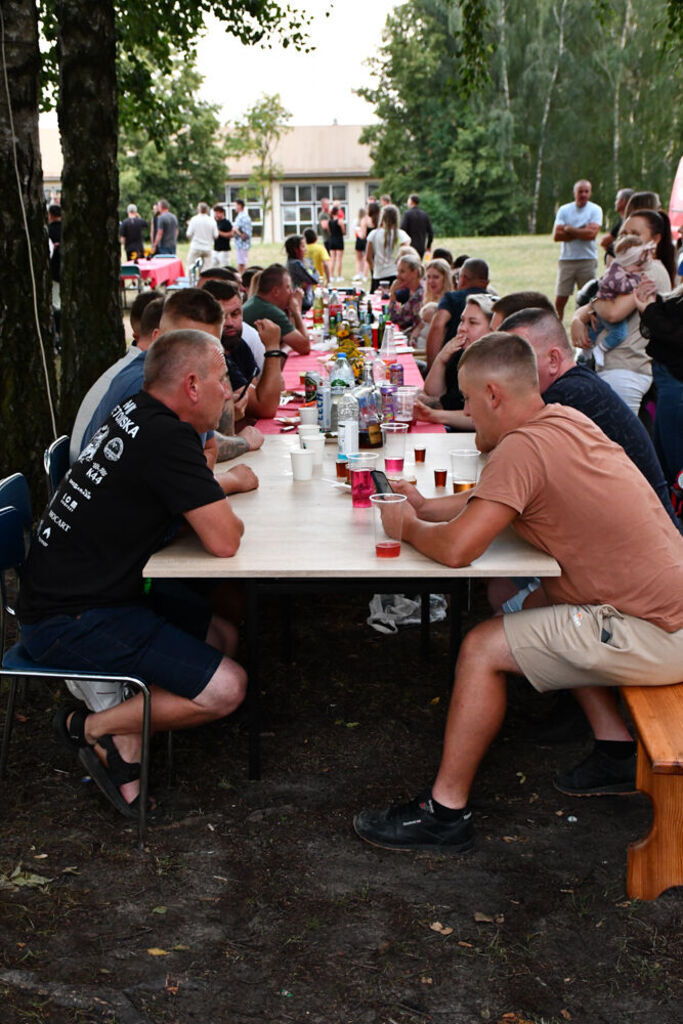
[309, 529]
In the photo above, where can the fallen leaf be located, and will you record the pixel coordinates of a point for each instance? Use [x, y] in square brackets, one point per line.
[442, 929]
[466, 945]
[159, 910]
[24, 879]
[155, 951]
[522, 778]
[435, 700]
[179, 947]
[352, 725]
[559, 813]
[70, 870]
[427, 981]
[482, 918]
[566, 1014]
[40, 856]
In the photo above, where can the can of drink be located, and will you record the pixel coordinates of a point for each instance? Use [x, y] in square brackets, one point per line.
[396, 374]
[388, 393]
[311, 384]
[323, 403]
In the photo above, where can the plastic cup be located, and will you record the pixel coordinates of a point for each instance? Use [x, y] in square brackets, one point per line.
[316, 444]
[302, 463]
[342, 467]
[464, 469]
[394, 438]
[308, 416]
[440, 477]
[388, 520]
[362, 484]
[306, 428]
[405, 403]
[420, 451]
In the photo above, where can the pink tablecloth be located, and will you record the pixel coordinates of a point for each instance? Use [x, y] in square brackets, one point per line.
[297, 364]
[164, 270]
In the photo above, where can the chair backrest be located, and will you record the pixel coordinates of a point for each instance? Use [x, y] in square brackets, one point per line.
[12, 547]
[56, 462]
[14, 492]
[130, 270]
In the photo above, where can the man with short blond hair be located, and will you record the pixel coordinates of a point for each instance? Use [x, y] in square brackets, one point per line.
[551, 474]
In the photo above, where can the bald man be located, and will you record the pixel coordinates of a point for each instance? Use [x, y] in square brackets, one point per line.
[551, 475]
[576, 227]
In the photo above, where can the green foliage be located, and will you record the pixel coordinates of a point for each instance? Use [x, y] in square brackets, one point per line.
[256, 135]
[185, 167]
[494, 109]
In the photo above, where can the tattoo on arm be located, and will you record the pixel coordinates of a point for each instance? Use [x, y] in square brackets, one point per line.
[230, 447]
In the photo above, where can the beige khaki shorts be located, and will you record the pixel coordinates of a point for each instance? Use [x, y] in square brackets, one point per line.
[574, 272]
[565, 646]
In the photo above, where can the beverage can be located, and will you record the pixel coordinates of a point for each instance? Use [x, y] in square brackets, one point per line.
[388, 393]
[396, 374]
[312, 382]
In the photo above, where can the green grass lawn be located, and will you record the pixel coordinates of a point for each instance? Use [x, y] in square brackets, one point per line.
[517, 262]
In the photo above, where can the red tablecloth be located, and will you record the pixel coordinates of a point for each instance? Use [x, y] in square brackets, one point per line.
[298, 364]
[164, 270]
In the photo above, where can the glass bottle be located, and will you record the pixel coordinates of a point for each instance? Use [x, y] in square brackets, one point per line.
[369, 400]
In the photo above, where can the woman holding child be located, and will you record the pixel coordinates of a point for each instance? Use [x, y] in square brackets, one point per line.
[627, 367]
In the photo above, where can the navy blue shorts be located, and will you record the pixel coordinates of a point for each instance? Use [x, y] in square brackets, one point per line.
[141, 640]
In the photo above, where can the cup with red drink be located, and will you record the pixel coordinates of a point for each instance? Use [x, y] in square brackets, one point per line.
[388, 521]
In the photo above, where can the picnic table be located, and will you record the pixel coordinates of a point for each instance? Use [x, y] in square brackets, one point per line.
[161, 270]
[318, 541]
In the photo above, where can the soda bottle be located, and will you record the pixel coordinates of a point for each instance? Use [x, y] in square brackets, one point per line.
[318, 308]
[347, 423]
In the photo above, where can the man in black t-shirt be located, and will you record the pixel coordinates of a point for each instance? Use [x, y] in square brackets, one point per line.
[131, 231]
[221, 247]
[562, 381]
[81, 599]
[418, 225]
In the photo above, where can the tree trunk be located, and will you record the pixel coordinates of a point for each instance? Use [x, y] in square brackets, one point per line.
[559, 18]
[92, 329]
[616, 113]
[27, 378]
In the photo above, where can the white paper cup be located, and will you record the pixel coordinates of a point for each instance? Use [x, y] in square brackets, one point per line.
[314, 443]
[308, 415]
[306, 428]
[302, 463]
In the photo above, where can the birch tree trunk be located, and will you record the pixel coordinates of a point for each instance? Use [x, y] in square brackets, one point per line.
[616, 137]
[559, 18]
[27, 379]
[92, 329]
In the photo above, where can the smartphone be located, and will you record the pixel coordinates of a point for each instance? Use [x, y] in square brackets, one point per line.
[382, 485]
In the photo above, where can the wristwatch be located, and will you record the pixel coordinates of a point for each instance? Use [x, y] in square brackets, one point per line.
[275, 352]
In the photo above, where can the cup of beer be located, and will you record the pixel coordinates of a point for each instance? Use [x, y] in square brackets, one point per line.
[464, 469]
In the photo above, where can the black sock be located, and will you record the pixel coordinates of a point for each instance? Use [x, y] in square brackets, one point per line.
[447, 813]
[620, 750]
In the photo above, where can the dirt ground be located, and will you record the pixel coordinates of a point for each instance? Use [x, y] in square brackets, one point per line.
[255, 901]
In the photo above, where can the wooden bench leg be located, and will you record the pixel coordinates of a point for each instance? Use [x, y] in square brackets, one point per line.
[655, 863]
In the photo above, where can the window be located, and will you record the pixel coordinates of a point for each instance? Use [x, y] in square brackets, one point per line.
[371, 189]
[253, 206]
[300, 205]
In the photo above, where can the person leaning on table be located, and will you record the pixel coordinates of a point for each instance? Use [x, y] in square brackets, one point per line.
[610, 621]
[81, 599]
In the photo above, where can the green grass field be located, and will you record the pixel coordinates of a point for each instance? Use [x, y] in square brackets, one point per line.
[517, 262]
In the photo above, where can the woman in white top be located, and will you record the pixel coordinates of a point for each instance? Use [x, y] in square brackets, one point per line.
[382, 247]
[628, 367]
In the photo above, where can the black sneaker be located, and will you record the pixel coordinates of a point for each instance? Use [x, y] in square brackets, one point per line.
[413, 826]
[599, 775]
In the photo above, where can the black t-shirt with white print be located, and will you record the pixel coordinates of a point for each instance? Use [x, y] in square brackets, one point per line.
[142, 469]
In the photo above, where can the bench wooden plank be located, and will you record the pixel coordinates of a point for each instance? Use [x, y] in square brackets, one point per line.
[655, 863]
[657, 713]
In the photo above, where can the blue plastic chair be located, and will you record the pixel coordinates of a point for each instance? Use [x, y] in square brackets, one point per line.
[56, 463]
[15, 521]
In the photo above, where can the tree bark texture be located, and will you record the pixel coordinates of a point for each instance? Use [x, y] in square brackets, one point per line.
[25, 418]
[92, 329]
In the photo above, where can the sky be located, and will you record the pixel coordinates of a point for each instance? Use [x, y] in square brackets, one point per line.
[316, 88]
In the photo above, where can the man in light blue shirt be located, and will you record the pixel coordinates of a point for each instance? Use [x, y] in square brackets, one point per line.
[576, 226]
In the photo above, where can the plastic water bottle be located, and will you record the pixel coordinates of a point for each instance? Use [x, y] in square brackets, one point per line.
[347, 424]
[341, 374]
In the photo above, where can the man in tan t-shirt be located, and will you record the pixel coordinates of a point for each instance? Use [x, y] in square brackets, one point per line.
[616, 612]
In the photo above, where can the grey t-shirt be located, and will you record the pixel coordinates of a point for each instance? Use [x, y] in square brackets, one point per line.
[168, 222]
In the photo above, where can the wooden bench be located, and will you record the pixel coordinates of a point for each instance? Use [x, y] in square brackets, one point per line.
[656, 862]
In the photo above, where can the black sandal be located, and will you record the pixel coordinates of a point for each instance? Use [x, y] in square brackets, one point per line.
[71, 734]
[115, 773]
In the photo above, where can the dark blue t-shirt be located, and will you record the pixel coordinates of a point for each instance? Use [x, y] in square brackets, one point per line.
[454, 303]
[582, 389]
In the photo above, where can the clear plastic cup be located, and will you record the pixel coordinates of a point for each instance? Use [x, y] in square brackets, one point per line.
[362, 485]
[388, 521]
[394, 438]
[464, 469]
